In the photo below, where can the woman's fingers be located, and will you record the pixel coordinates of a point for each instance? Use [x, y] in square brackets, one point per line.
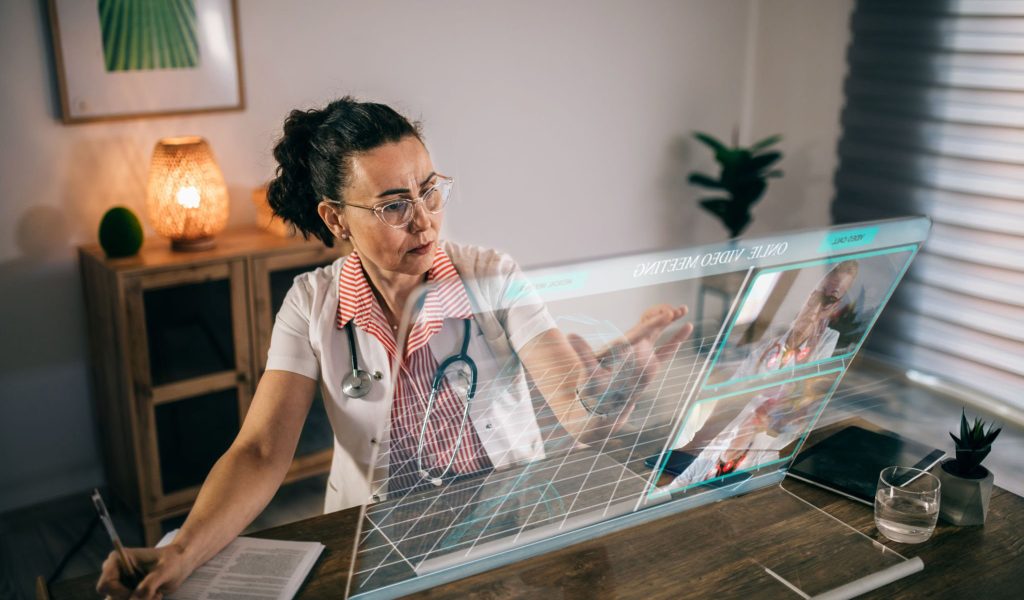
[154, 575]
[112, 588]
[639, 341]
[652, 323]
[149, 588]
[669, 348]
[654, 320]
[628, 364]
[110, 579]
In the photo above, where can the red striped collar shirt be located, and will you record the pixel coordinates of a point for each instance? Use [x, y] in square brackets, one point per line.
[446, 300]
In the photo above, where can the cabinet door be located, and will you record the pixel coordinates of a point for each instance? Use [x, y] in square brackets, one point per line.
[272, 277]
[191, 367]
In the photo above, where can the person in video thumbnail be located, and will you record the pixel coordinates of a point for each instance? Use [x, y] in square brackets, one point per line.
[808, 338]
[766, 425]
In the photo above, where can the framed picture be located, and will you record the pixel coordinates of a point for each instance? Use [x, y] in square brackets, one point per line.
[120, 59]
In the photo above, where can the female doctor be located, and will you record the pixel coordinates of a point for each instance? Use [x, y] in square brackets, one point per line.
[360, 172]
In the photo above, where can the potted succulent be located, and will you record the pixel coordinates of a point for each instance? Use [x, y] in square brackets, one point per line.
[966, 485]
[742, 180]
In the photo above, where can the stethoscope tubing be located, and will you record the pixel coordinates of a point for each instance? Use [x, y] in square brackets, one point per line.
[462, 356]
[358, 382]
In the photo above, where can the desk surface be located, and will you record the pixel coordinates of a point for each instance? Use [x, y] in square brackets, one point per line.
[658, 559]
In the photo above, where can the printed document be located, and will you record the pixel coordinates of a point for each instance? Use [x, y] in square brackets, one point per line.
[250, 568]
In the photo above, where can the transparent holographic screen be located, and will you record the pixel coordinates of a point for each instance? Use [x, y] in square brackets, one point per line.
[598, 300]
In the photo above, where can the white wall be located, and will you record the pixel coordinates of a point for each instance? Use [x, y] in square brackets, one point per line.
[799, 63]
[566, 124]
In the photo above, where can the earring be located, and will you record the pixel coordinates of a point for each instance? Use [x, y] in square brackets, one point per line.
[344, 235]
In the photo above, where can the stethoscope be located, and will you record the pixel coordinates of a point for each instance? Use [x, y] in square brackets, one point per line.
[358, 382]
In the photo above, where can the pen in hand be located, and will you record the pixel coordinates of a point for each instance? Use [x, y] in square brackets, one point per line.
[131, 574]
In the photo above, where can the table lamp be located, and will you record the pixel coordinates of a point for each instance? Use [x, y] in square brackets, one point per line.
[186, 195]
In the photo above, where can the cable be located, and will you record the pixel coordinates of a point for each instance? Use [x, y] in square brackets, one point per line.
[74, 549]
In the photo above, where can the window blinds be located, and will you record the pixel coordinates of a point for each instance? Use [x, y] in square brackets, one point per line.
[934, 124]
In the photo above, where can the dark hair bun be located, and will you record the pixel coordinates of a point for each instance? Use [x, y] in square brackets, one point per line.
[314, 157]
[291, 192]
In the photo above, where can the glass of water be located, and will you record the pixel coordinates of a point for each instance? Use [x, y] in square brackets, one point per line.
[906, 504]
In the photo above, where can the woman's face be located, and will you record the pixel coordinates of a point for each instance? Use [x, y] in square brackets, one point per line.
[385, 174]
[822, 300]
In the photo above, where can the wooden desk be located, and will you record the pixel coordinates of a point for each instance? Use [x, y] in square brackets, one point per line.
[665, 559]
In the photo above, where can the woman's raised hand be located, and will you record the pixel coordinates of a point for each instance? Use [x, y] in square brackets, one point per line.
[614, 376]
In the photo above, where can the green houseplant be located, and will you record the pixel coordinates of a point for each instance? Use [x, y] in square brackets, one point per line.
[966, 485]
[743, 178]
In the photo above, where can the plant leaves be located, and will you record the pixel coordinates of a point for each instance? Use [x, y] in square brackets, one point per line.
[711, 142]
[762, 161]
[981, 453]
[733, 161]
[977, 432]
[705, 180]
[718, 207]
[768, 141]
[748, 193]
[975, 436]
[741, 178]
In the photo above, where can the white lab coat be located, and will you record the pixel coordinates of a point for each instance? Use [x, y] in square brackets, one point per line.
[307, 341]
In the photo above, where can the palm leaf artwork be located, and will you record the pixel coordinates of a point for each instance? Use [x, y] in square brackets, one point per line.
[142, 35]
[743, 179]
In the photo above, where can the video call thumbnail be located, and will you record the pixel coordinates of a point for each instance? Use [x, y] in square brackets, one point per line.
[802, 315]
[752, 429]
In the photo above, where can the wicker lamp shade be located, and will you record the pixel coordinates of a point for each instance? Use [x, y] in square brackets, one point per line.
[186, 196]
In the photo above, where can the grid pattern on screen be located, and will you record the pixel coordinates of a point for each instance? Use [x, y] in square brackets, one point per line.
[428, 528]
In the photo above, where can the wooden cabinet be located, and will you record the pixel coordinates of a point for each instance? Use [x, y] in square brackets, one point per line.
[177, 344]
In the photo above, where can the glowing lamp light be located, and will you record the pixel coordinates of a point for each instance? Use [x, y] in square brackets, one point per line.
[186, 196]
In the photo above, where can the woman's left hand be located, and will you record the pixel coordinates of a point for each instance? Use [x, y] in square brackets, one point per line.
[614, 376]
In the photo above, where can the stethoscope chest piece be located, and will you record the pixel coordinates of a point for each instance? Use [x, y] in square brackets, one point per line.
[356, 384]
[461, 380]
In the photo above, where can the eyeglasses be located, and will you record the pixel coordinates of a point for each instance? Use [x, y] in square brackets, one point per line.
[399, 213]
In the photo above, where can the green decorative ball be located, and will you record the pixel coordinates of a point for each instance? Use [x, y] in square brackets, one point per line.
[120, 232]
